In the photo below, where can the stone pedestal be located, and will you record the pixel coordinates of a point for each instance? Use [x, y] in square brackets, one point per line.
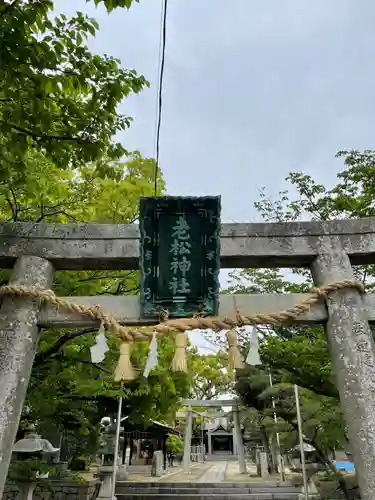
[26, 491]
[106, 476]
[157, 464]
[261, 460]
[121, 473]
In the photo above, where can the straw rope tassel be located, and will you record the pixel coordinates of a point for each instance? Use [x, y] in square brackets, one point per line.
[179, 362]
[124, 370]
[235, 358]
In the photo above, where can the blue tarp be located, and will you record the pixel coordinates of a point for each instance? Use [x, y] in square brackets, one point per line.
[346, 466]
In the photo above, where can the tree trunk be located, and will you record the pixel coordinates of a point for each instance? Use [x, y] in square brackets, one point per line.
[266, 446]
[274, 454]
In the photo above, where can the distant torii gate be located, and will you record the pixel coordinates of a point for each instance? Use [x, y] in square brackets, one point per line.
[329, 249]
[218, 403]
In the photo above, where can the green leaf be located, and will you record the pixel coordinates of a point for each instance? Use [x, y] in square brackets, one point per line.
[47, 83]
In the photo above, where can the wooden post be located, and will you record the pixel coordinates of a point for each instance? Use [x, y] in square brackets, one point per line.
[353, 357]
[238, 439]
[187, 440]
[18, 343]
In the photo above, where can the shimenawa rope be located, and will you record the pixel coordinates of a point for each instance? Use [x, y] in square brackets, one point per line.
[124, 371]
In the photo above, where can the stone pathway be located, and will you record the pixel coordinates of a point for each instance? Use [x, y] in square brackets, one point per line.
[179, 476]
[233, 475]
[216, 474]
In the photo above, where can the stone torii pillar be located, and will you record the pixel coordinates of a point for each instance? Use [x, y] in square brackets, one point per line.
[187, 439]
[18, 342]
[209, 439]
[353, 356]
[238, 439]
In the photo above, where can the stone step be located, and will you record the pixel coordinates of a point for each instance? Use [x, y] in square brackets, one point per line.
[271, 490]
[203, 491]
[140, 470]
[138, 473]
[156, 484]
[206, 496]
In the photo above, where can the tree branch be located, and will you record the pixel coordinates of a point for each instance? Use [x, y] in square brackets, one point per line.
[106, 277]
[40, 135]
[120, 290]
[42, 356]
[89, 363]
[320, 390]
[58, 212]
[13, 209]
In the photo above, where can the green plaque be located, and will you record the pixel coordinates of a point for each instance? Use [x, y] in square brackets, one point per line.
[179, 255]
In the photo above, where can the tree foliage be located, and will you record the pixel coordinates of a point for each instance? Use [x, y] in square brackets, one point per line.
[299, 354]
[61, 163]
[66, 390]
[211, 377]
[175, 444]
[56, 97]
[305, 357]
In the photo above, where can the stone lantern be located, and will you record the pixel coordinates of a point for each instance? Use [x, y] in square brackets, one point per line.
[32, 446]
[107, 451]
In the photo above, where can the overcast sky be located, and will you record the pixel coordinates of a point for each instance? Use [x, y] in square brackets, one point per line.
[253, 89]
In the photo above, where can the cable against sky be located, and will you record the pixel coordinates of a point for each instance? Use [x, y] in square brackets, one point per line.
[159, 104]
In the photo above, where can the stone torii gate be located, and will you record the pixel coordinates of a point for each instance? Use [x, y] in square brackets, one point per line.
[329, 249]
[218, 403]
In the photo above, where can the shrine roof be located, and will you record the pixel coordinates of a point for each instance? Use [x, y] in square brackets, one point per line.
[150, 426]
[220, 431]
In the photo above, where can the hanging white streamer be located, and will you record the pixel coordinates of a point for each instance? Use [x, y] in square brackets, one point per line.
[253, 357]
[98, 350]
[152, 359]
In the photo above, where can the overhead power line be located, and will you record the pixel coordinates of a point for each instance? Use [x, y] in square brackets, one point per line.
[159, 105]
